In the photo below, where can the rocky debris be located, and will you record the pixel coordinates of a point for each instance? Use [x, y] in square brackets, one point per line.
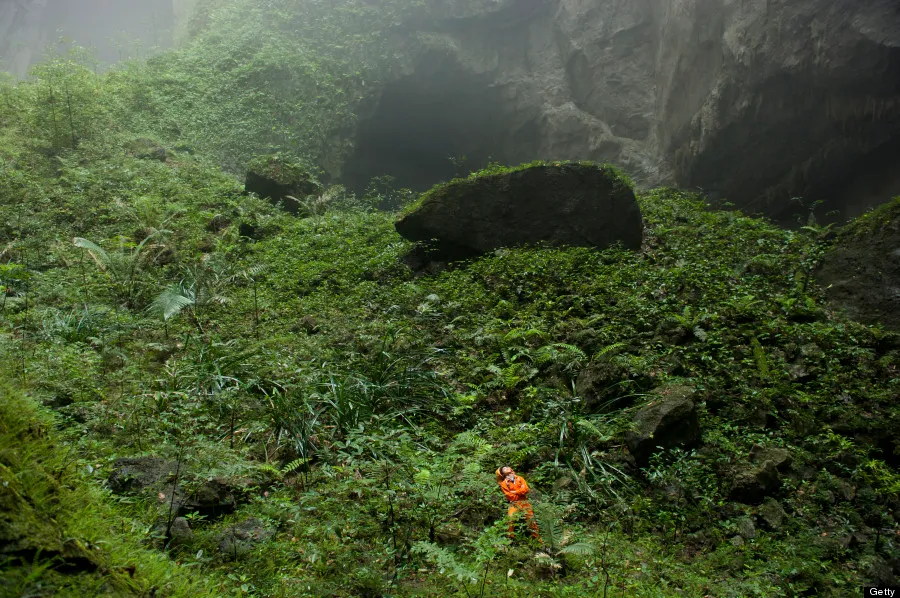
[146, 149]
[771, 514]
[180, 533]
[281, 179]
[762, 476]
[669, 420]
[133, 474]
[746, 528]
[562, 203]
[218, 223]
[213, 498]
[861, 271]
[240, 538]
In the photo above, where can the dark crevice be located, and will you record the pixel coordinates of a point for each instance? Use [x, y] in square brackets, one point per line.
[422, 121]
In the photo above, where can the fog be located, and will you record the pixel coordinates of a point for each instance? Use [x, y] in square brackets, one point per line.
[114, 29]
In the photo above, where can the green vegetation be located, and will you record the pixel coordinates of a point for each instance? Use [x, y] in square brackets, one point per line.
[304, 417]
[61, 534]
[495, 168]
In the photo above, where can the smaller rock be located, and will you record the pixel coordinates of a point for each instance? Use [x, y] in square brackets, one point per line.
[746, 528]
[240, 538]
[737, 541]
[780, 457]
[180, 532]
[132, 474]
[146, 149]
[755, 484]
[763, 475]
[772, 514]
[308, 324]
[669, 420]
[218, 223]
[213, 498]
[282, 179]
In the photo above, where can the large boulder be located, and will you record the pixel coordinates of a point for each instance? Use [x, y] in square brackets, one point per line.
[209, 496]
[861, 272]
[282, 180]
[669, 420]
[559, 203]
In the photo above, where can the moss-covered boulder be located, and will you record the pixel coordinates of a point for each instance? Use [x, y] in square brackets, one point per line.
[861, 271]
[146, 149]
[669, 420]
[558, 203]
[281, 179]
[761, 476]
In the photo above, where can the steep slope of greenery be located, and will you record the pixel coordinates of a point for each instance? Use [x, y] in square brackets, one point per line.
[370, 408]
[60, 535]
[313, 419]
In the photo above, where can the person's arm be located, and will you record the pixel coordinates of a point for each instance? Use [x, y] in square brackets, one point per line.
[524, 490]
[509, 493]
[520, 488]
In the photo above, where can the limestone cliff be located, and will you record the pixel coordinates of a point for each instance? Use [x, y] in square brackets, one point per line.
[758, 101]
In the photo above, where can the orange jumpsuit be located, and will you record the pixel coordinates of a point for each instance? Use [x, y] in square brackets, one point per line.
[516, 491]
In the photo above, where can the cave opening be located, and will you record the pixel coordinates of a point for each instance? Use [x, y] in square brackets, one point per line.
[428, 127]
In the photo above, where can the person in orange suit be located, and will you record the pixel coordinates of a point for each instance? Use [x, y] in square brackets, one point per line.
[515, 488]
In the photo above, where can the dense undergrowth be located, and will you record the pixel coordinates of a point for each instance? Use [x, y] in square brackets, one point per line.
[354, 413]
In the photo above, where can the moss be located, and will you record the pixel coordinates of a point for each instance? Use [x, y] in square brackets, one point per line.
[282, 168]
[58, 527]
[873, 221]
[495, 169]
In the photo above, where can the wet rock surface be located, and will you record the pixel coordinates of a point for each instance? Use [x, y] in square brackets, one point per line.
[762, 476]
[669, 420]
[560, 204]
[756, 102]
[861, 272]
[241, 538]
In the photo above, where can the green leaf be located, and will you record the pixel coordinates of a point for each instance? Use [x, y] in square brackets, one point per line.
[170, 302]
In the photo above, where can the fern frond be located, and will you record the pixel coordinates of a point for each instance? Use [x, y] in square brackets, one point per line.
[294, 465]
[606, 350]
[170, 302]
[592, 430]
[579, 548]
[96, 252]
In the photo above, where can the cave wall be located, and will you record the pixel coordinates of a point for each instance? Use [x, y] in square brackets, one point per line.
[754, 101]
[763, 100]
[115, 29]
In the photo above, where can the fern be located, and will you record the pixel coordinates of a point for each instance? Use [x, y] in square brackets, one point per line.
[294, 465]
[445, 561]
[606, 351]
[578, 548]
[97, 253]
[170, 302]
[560, 351]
